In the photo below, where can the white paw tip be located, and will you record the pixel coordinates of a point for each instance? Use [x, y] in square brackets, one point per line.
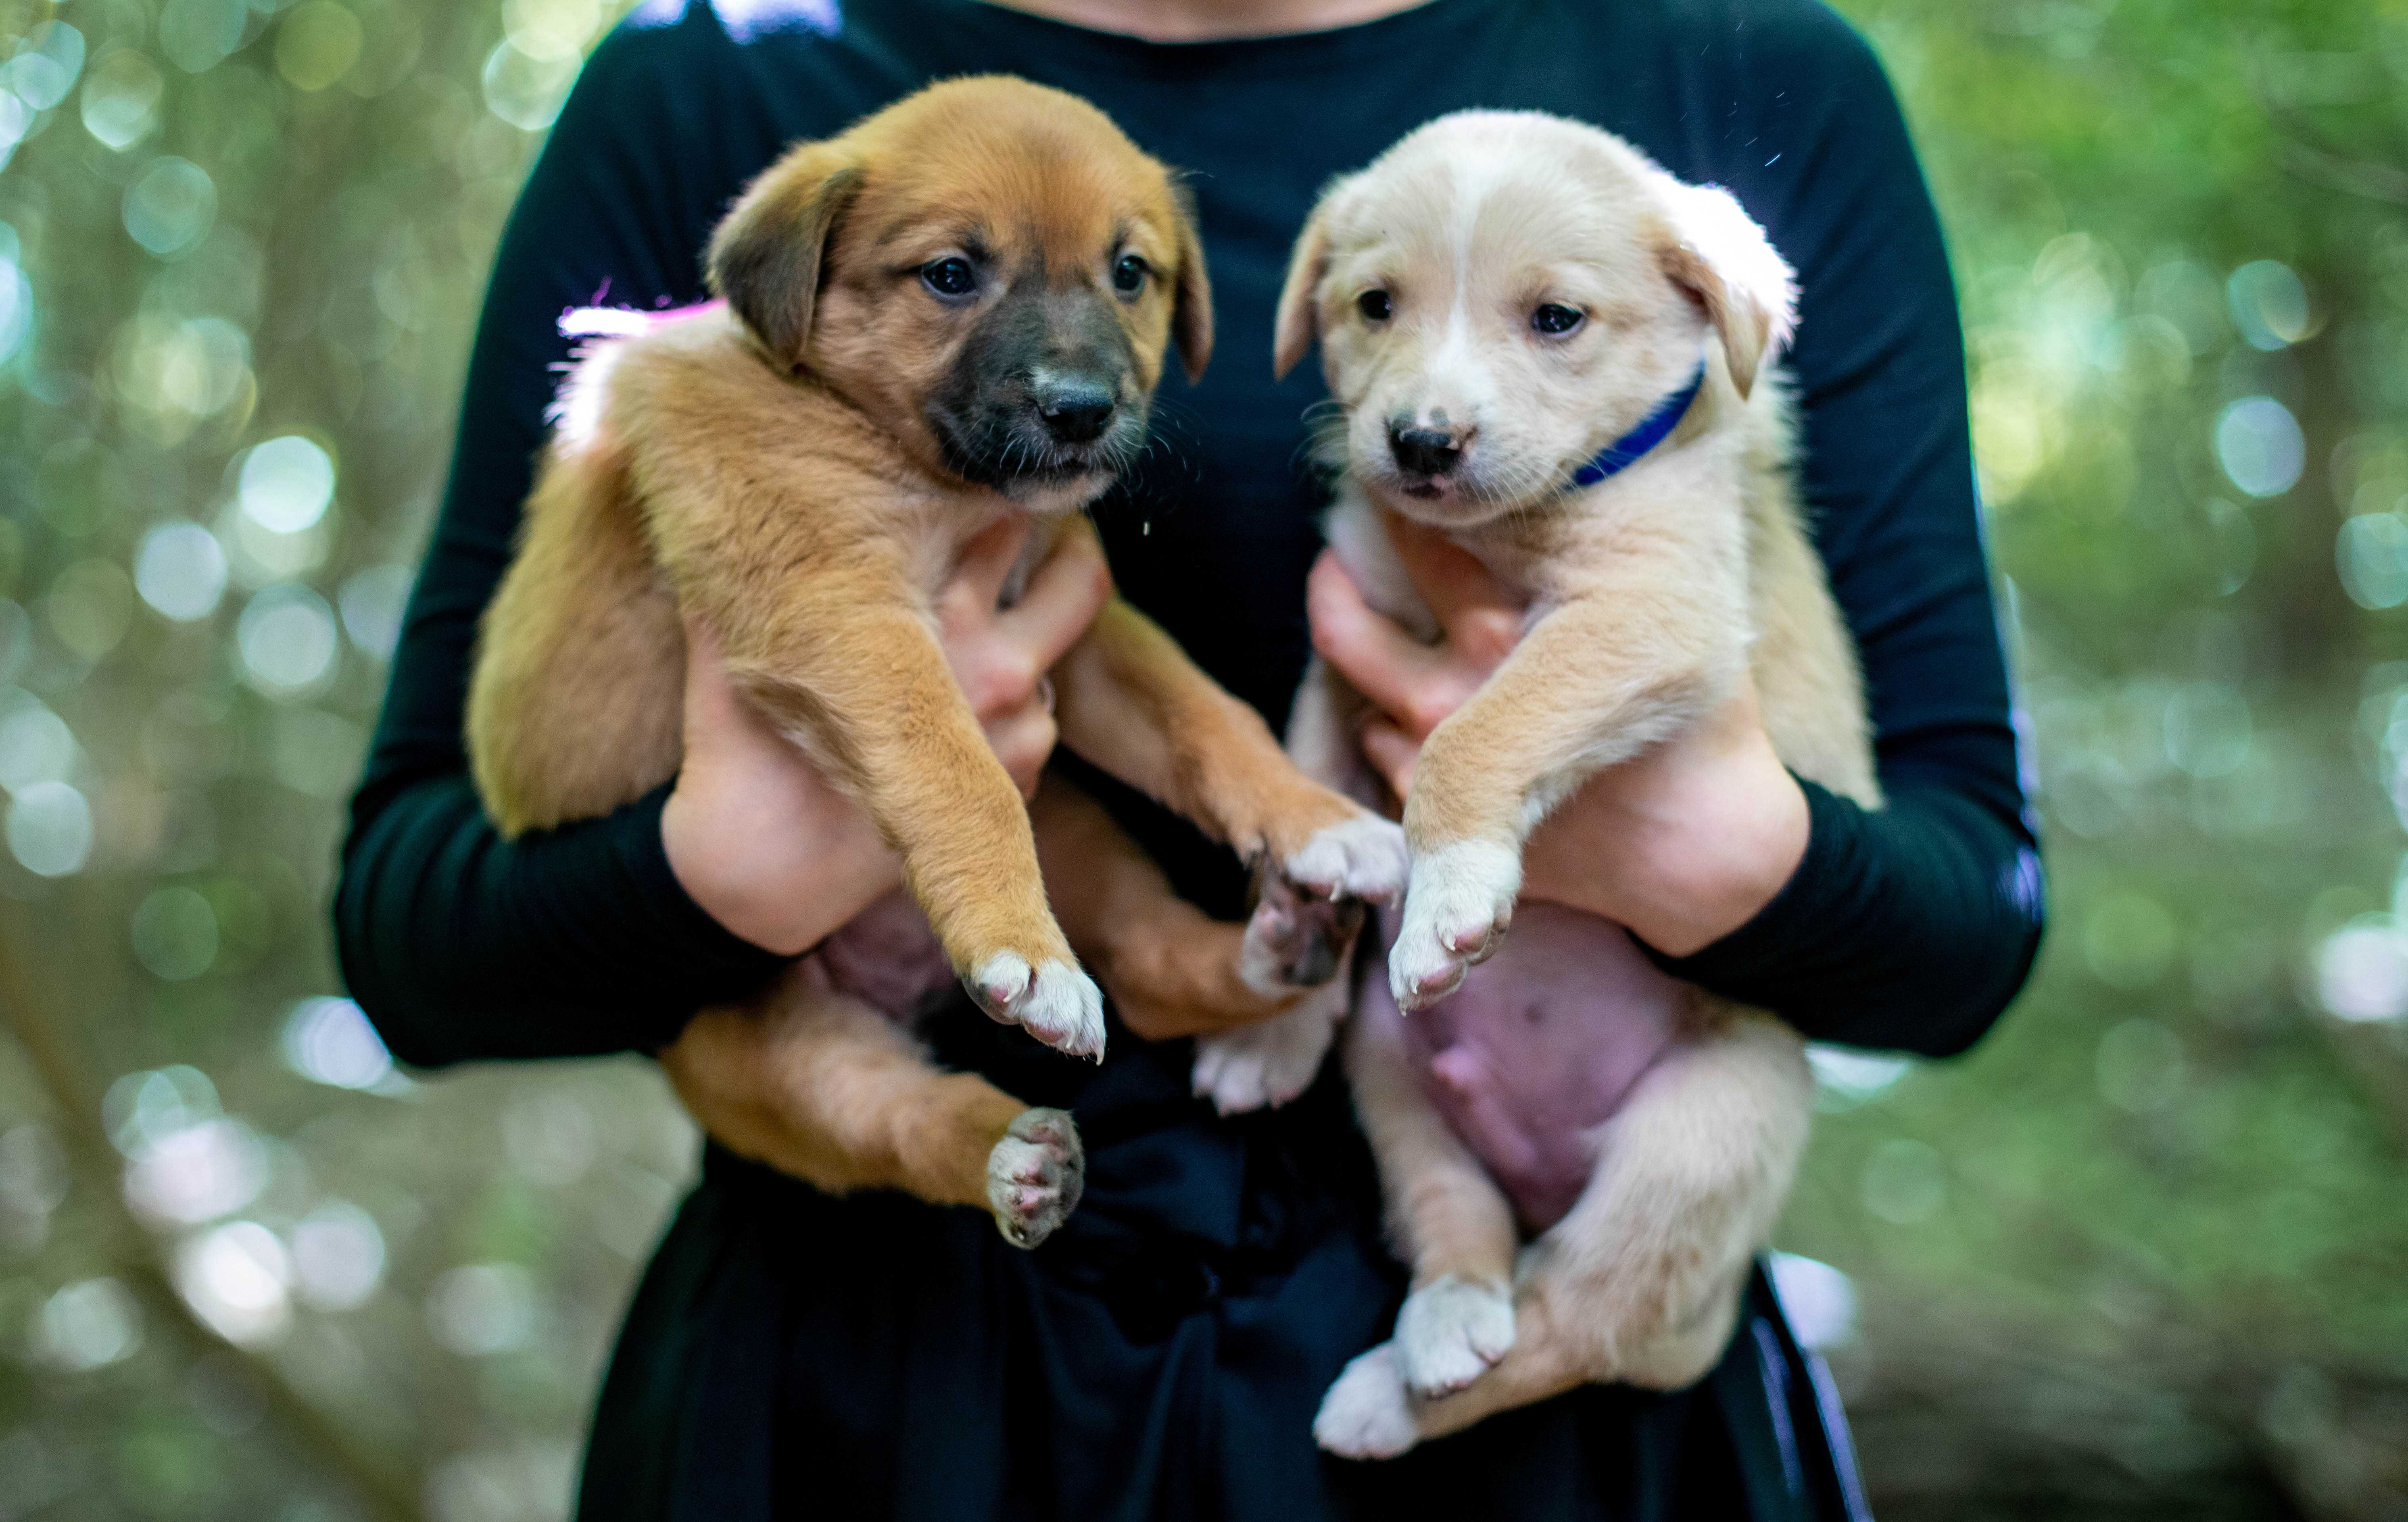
[1367, 1414]
[1450, 1331]
[1417, 979]
[1364, 857]
[1053, 1001]
[1002, 980]
[1271, 1061]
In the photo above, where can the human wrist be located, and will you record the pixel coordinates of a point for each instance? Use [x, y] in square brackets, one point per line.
[784, 890]
[1715, 872]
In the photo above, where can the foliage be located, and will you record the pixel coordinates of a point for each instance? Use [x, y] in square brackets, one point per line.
[2144, 1247]
[2137, 1253]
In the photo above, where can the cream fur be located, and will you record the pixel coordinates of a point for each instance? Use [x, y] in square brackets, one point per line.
[1650, 594]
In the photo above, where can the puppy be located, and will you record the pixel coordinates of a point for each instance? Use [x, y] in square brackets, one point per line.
[954, 313]
[1553, 353]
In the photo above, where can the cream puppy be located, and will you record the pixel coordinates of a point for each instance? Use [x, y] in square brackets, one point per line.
[1548, 348]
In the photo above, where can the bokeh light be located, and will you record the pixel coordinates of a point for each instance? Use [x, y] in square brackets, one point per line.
[238, 1278]
[49, 829]
[481, 1309]
[88, 1325]
[170, 206]
[328, 1041]
[2260, 444]
[2269, 304]
[285, 485]
[338, 1256]
[288, 639]
[243, 248]
[180, 571]
[196, 1172]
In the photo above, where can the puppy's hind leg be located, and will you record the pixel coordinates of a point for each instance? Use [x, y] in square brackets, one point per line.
[1641, 1283]
[1171, 969]
[1692, 1175]
[818, 1084]
[1449, 1220]
[1371, 1412]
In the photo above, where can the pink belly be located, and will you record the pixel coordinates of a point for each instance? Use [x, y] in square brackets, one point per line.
[887, 957]
[1538, 1047]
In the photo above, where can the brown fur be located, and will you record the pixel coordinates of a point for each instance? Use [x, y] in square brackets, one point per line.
[773, 469]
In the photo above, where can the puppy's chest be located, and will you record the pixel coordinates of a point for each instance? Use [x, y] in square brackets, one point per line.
[941, 529]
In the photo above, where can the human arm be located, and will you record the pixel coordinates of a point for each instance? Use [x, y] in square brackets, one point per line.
[1691, 844]
[586, 940]
[1911, 927]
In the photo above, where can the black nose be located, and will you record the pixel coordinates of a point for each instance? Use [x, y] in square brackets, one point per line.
[1075, 411]
[1423, 452]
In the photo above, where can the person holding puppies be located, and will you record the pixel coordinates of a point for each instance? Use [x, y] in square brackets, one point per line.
[1162, 1354]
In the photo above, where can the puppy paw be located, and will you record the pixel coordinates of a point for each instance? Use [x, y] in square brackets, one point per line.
[1034, 1175]
[1271, 1061]
[1450, 1331]
[1295, 939]
[1360, 857]
[1457, 907]
[1367, 1414]
[1053, 1001]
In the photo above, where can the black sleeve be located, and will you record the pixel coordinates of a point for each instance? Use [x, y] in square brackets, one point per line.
[1910, 927]
[457, 944]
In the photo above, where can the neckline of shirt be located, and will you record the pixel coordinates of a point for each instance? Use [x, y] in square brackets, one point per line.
[1256, 56]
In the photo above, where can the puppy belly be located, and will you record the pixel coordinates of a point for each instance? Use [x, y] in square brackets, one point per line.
[1540, 1046]
[889, 958]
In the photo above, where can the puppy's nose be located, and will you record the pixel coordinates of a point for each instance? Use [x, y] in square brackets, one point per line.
[1075, 411]
[1423, 452]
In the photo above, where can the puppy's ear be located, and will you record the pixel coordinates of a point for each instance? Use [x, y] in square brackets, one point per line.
[765, 256]
[1298, 322]
[1191, 311]
[1712, 247]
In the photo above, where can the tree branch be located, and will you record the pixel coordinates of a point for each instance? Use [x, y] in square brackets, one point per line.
[134, 1253]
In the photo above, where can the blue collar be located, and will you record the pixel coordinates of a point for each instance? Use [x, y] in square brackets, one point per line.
[1625, 452]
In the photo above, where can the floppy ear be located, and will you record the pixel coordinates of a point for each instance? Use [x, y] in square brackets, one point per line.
[1298, 322]
[766, 253]
[1714, 249]
[1191, 312]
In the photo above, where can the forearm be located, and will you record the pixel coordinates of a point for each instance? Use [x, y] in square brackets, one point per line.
[459, 945]
[1909, 929]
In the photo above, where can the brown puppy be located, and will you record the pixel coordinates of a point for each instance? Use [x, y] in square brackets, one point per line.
[1551, 353]
[955, 311]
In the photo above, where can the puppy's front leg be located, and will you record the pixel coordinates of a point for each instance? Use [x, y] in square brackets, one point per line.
[857, 677]
[1594, 683]
[1171, 969]
[1274, 1061]
[1133, 703]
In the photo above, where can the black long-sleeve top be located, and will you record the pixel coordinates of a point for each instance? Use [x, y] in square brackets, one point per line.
[1909, 929]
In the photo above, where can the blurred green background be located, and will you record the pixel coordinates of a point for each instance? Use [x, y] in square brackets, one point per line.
[2143, 1254]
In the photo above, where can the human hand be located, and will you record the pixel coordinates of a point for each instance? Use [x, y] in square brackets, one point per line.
[779, 855]
[1682, 844]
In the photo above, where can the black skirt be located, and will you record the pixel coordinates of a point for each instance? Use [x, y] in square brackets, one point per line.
[792, 1356]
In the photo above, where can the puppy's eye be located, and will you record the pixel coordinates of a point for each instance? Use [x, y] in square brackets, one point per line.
[950, 276]
[1128, 275]
[1375, 306]
[1554, 320]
